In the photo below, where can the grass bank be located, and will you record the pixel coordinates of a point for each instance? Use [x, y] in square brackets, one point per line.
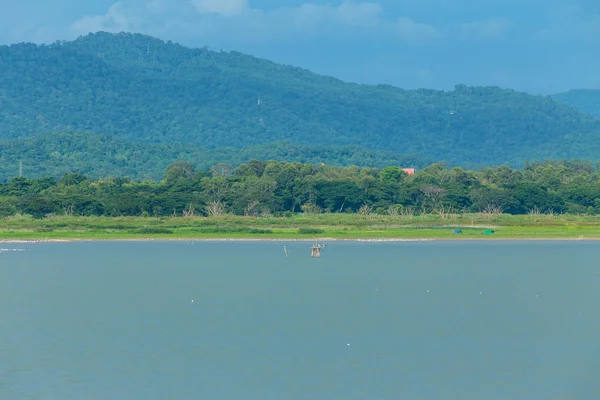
[334, 226]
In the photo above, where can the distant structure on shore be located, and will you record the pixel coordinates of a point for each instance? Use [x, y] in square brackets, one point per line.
[409, 171]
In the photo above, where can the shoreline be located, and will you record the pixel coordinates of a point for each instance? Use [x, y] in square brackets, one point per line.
[305, 229]
[267, 240]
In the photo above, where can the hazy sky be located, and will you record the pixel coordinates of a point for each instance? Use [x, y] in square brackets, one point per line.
[540, 46]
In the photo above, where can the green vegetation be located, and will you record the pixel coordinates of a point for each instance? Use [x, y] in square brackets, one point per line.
[301, 226]
[180, 131]
[98, 156]
[293, 200]
[584, 100]
[147, 102]
[310, 231]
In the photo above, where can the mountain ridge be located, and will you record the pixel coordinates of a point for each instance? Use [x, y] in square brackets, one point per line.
[141, 89]
[584, 100]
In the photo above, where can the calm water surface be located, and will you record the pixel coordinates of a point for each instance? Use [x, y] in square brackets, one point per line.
[427, 320]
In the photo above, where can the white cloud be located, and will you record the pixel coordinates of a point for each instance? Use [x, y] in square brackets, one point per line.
[489, 28]
[119, 17]
[413, 32]
[357, 14]
[235, 22]
[224, 7]
[309, 20]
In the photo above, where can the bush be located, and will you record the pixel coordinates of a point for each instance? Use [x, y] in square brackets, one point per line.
[153, 231]
[260, 231]
[310, 231]
[7, 209]
[221, 229]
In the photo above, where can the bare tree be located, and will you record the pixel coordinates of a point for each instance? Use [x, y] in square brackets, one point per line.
[432, 196]
[365, 211]
[493, 209]
[490, 211]
[215, 208]
[534, 211]
[551, 214]
[190, 211]
[310, 208]
[447, 212]
[251, 210]
[473, 218]
[69, 210]
[394, 210]
[407, 212]
[266, 213]
[223, 170]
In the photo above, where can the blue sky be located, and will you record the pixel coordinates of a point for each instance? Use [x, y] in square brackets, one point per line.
[539, 46]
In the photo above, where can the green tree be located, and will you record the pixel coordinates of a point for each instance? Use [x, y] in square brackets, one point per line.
[180, 170]
[392, 174]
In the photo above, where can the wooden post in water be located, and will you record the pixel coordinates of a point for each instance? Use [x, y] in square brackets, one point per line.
[316, 250]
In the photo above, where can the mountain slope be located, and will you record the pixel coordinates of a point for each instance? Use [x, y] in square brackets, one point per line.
[141, 89]
[584, 100]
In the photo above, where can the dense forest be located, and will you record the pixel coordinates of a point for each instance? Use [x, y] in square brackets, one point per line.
[101, 156]
[149, 97]
[585, 100]
[260, 188]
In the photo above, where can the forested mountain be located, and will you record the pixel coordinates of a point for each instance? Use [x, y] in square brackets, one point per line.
[585, 100]
[100, 156]
[164, 100]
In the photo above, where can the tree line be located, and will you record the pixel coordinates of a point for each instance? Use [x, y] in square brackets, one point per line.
[259, 188]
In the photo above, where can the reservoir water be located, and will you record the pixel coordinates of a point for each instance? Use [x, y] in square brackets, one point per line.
[202, 320]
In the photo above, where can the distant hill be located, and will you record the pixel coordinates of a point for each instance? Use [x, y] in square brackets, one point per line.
[98, 156]
[165, 100]
[584, 100]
